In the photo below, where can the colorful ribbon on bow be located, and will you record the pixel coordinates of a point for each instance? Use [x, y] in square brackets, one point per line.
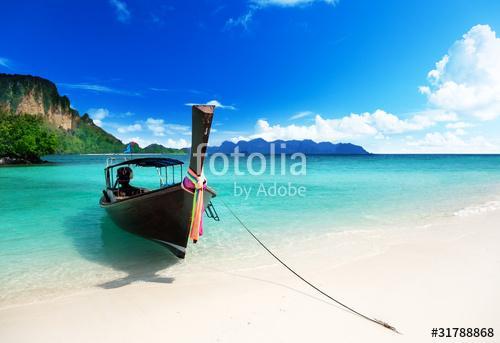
[195, 185]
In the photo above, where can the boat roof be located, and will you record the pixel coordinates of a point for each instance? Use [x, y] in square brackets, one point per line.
[149, 162]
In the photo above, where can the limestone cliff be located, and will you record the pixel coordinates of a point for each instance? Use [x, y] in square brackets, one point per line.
[25, 94]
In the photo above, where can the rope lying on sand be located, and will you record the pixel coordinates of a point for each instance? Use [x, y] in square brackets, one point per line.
[373, 320]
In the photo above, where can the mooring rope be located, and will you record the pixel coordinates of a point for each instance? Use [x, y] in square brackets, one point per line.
[373, 320]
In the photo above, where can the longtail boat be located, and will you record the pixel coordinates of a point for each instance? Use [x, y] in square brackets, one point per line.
[172, 213]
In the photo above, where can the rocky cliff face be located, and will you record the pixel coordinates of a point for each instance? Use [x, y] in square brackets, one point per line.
[25, 94]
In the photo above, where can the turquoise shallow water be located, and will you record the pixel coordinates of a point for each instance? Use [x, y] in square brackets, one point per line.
[54, 238]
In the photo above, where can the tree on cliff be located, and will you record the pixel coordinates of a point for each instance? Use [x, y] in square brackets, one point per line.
[25, 137]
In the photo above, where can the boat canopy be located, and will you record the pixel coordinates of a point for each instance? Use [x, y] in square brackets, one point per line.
[157, 162]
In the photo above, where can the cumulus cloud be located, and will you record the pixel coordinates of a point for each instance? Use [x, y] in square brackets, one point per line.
[467, 79]
[139, 140]
[458, 125]
[122, 11]
[376, 124]
[156, 126]
[129, 128]
[97, 115]
[177, 144]
[215, 103]
[178, 129]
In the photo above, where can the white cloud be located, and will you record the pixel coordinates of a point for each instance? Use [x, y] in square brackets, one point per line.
[139, 140]
[467, 79]
[215, 103]
[376, 124]
[4, 62]
[122, 11]
[177, 127]
[97, 88]
[156, 126]
[178, 90]
[177, 144]
[256, 5]
[458, 125]
[160, 128]
[173, 129]
[90, 87]
[301, 115]
[243, 20]
[97, 115]
[449, 142]
[129, 128]
[219, 105]
[389, 123]
[289, 3]
[160, 89]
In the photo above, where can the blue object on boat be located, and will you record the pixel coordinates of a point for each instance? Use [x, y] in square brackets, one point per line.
[128, 149]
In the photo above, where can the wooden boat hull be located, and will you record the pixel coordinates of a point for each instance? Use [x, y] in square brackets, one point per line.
[161, 215]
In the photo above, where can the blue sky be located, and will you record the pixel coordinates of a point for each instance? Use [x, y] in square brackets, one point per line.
[395, 76]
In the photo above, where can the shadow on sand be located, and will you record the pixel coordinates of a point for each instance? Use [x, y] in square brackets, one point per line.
[99, 240]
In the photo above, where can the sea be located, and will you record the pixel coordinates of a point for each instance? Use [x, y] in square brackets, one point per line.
[56, 240]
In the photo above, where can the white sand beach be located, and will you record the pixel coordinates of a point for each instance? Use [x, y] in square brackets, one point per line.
[444, 275]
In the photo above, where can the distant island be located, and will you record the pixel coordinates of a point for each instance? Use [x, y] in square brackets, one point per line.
[35, 120]
[305, 146]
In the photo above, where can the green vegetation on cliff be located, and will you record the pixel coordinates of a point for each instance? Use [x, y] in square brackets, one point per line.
[160, 149]
[29, 137]
[26, 137]
[87, 138]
